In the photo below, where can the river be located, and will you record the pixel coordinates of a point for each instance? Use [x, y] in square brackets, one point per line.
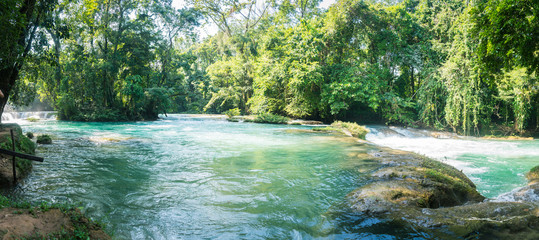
[186, 177]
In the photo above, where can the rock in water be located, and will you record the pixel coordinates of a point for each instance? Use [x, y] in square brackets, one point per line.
[44, 139]
[428, 196]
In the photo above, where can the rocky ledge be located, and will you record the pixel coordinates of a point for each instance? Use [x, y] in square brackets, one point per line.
[434, 198]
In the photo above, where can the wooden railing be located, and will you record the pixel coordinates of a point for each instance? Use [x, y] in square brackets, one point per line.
[16, 154]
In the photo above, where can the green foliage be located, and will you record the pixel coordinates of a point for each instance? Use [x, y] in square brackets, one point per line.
[508, 30]
[22, 144]
[533, 173]
[444, 64]
[518, 89]
[289, 74]
[270, 118]
[110, 60]
[232, 112]
[232, 77]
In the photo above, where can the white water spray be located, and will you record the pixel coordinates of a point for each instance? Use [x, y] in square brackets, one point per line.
[18, 116]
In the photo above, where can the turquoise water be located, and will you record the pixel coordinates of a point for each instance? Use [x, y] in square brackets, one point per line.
[495, 166]
[189, 177]
[195, 178]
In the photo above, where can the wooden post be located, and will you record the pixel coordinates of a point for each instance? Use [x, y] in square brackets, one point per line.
[14, 165]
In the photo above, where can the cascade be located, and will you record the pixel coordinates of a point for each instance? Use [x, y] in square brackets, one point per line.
[15, 116]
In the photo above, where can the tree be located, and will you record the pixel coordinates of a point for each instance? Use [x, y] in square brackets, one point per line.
[19, 21]
[509, 33]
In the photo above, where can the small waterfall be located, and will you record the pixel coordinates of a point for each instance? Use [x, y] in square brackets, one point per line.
[15, 116]
[400, 132]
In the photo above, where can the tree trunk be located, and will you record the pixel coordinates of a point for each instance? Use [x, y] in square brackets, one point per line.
[10, 73]
[7, 81]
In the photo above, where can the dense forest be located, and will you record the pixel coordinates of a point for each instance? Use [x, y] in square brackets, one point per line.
[466, 66]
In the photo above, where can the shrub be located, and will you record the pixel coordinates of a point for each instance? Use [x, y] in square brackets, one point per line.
[270, 118]
[232, 112]
[33, 119]
[355, 129]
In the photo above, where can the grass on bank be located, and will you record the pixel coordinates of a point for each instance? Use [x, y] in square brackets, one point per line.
[81, 224]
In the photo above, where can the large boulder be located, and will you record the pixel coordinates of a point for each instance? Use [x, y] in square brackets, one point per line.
[411, 180]
[431, 197]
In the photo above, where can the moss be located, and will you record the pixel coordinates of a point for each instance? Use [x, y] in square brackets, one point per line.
[533, 174]
[326, 129]
[44, 139]
[445, 169]
[437, 176]
[23, 145]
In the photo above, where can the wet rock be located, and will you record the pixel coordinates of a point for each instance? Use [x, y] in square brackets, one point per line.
[418, 193]
[529, 193]
[410, 180]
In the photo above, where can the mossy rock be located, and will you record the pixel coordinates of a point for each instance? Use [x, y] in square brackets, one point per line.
[409, 180]
[44, 139]
[23, 145]
[30, 135]
[414, 192]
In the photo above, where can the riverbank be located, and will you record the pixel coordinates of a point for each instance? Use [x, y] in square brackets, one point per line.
[45, 221]
[23, 145]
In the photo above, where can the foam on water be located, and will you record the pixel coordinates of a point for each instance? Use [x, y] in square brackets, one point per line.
[23, 116]
[496, 166]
